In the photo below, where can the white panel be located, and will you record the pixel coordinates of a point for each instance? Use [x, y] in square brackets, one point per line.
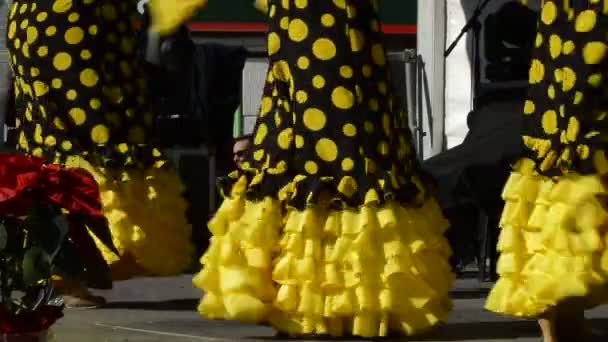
[248, 124]
[254, 75]
[431, 45]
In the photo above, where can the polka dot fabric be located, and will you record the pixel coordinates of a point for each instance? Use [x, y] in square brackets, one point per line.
[328, 120]
[79, 80]
[553, 243]
[565, 112]
[329, 229]
[82, 103]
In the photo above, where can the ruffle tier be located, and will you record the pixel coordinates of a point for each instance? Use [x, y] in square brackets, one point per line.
[553, 243]
[147, 217]
[371, 271]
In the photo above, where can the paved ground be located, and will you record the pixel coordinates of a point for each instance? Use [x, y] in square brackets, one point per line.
[162, 310]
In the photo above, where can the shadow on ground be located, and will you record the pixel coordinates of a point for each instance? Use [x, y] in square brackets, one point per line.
[170, 305]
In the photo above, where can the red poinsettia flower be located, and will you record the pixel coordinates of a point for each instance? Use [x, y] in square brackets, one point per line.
[28, 181]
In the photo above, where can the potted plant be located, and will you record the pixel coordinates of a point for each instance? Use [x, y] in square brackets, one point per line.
[46, 214]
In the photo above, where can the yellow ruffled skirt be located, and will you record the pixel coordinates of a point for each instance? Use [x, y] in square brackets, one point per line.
[147, 217]
[553, 243]
[365, 272]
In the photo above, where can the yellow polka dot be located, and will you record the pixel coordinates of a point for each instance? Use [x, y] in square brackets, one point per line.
[100, 134]
[578, 97]
[311, 167]
[539, 40]
[326, 149]
[40, 88]
[573, 129]
[342, 98]
[274, 43]
[595, 80]
[25, 49]
[78, 115]
[38, 134]
[341, 4]
[537, 71]
[549, 122]
[32, 34]
[299, 141]
[301, 3]
[85, 54]
[89, 77]
[284, 23]
[549, 13]
[56, 83]
[74, 35]
[50, 31]
[583, 151]
[324, 49]
[24, 24]
[585, 21]
[378, 55]
[73, 17]
[23, 8]
[265, 106]
[369, 127]
[357, 40]
[258, 155]
[71, 95]
[43, 51]
[346, 71]
[349, 130]
[58, 123]
[551, 91]
[62, 6]
[95, 104]
[314, 119]
[93, 30]
[367, 70]
[569, 79]
[594, 52]
[328, 20]
[568, 47]
[318, 81]
[298, 30]
[35, 72]
[303, 62]
[347, 164]
[12, 30]
[529, 107]
[555, 46]
[50, 141]
[260, 134]
[301, 96]
[285, 138]
[382, 88]
[62, 61]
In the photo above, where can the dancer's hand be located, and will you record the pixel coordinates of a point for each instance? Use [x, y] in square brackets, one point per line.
[168, 15]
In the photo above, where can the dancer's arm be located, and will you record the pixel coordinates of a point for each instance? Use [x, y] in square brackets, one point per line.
[168, 15]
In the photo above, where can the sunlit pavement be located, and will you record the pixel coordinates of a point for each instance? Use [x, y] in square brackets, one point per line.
[164, 310]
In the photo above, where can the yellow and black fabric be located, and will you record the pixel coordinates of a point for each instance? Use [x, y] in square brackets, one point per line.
[80, 86]
[554, 241]
[330, 229]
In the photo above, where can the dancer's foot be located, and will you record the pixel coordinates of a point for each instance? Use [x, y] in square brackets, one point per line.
[83, 302]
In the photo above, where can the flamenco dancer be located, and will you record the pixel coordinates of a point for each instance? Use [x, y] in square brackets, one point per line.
[82, 102]
[554, 239]
[329, 228]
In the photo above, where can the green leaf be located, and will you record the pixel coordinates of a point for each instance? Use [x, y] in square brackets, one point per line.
[36, 265]
[3, 237]
[48, 228]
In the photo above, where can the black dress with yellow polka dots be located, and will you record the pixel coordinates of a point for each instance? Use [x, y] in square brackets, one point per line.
[553, 243]
[329, 227]
[82, 101]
